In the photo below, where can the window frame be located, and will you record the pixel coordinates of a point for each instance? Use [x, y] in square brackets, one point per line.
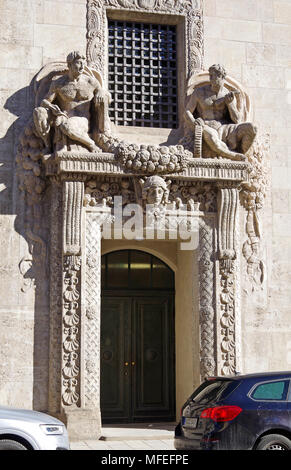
[156, 18]
[257, 384]
[153, 122]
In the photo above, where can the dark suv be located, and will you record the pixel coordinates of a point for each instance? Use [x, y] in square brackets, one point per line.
[241, 412]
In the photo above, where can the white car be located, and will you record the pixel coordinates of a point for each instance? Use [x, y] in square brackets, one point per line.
[31, 430]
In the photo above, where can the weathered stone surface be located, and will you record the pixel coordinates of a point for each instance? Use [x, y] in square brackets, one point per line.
[253, 42]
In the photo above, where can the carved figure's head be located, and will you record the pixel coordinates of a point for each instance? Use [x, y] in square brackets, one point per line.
[217, 74]
[155, 190]
[76, 62]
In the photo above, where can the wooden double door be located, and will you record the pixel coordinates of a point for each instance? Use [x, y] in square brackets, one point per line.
[137, 356]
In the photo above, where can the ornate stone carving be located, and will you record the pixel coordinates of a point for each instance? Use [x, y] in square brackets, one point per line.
[66, 108]
[252, 196]
[103, 192]
[70, 333]
[56, 301]
[149, 158]
[73, 202]
[206, 301]
[213, 113]
[155, 190]
[92, 307]
[195, 196]
[227, 217]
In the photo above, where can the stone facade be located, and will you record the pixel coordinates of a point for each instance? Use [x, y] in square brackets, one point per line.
[231, 292]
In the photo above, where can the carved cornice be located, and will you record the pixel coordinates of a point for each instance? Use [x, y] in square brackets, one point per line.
[68, 163]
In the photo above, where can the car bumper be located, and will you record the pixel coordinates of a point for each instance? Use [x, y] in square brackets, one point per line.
[182, 443]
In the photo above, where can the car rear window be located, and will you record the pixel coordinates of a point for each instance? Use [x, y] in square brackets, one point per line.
[271, 391]
[213, 390]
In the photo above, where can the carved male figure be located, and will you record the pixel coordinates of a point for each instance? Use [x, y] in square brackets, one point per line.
[67, 105]
[213, 107]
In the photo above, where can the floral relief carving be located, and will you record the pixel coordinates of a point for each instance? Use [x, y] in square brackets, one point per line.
[253, 196]
[71, 341]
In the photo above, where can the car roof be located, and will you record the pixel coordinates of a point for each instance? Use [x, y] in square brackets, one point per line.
[253, 375]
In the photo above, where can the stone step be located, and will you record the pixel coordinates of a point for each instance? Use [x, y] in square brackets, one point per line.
[136, 431]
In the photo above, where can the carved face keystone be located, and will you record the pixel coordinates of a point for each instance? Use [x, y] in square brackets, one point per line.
[155, 195]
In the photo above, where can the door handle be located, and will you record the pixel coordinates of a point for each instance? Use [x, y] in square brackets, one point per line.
[133, 363]
[126, 364]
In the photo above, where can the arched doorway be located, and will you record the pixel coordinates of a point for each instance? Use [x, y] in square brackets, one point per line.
[137, 338]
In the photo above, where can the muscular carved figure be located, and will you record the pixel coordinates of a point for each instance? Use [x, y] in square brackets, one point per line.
[67, 106]
[213, 107]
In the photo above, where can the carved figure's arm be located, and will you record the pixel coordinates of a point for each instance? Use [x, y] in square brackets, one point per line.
[190, 108]
[99, 94]
[47, 102]
[50, 97]
[232, 108]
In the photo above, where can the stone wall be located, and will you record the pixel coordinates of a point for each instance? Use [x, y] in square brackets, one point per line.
[253, 40]
[33, 32]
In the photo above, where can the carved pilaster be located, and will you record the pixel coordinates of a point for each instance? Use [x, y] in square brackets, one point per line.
[92, 311]
[73, 196]
[55, 298]
[208, 359]
[73, 193]
[227, 219]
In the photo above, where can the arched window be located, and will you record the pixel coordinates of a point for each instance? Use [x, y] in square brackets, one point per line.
[133, 269]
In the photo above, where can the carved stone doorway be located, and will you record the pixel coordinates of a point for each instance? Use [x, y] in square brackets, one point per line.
[137, 339]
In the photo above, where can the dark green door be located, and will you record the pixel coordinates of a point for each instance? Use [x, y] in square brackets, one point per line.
[137, 350]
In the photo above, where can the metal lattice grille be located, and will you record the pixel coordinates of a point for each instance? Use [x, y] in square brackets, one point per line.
[143, 74]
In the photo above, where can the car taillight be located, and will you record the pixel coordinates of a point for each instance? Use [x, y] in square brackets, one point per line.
[221, 413]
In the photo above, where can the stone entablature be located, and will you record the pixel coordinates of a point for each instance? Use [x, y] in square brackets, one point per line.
[105, 163]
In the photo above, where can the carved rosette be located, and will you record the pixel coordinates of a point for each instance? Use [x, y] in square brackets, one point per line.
[97, 24]
[227, 219]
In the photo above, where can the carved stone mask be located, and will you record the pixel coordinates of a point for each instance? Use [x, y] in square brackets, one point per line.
[155, 195]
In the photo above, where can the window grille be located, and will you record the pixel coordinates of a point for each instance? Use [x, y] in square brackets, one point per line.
[143, 74]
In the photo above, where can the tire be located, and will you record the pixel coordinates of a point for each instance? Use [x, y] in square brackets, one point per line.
[274, 442]
[9, 444]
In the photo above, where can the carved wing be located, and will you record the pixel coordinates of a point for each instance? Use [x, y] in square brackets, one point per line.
[44, 77]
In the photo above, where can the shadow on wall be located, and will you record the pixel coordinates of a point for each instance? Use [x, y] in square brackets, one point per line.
[20, 196]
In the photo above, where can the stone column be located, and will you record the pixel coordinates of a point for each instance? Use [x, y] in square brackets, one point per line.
[82, 417]
[207, 314]
[227, 259]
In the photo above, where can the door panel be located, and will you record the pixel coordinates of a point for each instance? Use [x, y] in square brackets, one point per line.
[115, 344]
[137, 331]
[153, 349]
